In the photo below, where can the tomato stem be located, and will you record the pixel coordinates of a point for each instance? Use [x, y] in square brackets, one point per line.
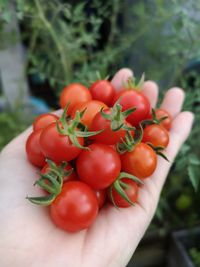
[119, 186]
[52, 182]
[133, 85]
[70, 128]
[116, 117]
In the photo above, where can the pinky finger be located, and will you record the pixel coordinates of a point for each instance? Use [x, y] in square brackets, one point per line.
[180, 131]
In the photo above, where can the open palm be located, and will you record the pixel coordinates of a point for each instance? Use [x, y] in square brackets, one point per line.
[29, 238]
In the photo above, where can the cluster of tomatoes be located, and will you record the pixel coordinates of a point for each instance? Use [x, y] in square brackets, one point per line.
[100, 150]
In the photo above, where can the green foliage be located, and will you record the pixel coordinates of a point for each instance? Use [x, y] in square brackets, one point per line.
[168, 39]
[11, 124]
[62, 46]
[189, 156]
[195, 255]
[65, 44]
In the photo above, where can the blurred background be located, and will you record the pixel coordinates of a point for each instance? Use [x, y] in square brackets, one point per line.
[44, 45]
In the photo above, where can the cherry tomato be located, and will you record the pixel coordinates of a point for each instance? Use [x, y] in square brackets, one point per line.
[99, 166]
[156, 135]
[33, 149]
[167, 123]
[103, 91]
[101, 197]
[131, 190]
[58, 147]
[75, 208]
[68, 167]
[91, 109]
[141, 161]
[44, 120]
[131, 98]
[108, 136]
[73, 94]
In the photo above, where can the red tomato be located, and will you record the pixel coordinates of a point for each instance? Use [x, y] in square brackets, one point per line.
[167, 123]
[73, 94]
[99, 166]
[130, 98]
[141, 161]
[58, 147]
[75, 208]
[44, 120]
[156, 135]
[108, 136]
[103, 91]
[131, 191]
[101, 197]
[68, 167]
[91, 109]
[33, 149]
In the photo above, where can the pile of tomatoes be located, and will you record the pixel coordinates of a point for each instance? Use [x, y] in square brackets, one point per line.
[99, 151]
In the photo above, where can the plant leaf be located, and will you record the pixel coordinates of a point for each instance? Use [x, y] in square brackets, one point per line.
[193, 172]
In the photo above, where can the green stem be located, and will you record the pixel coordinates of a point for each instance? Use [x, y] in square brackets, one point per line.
[65, 64]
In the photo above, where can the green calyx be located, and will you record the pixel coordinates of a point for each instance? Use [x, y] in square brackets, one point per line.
[120, 187]
[51, 182]
[154, 119]
[132, 84]
[129, 142]
[159, 151]
[117, 117]
[72, 128]
[99, 77]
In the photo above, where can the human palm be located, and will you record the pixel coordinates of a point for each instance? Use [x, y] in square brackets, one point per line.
[29, 238]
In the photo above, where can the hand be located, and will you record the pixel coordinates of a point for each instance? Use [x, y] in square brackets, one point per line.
[29, 238]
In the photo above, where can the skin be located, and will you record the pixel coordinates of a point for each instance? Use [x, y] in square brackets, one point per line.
[28, 237]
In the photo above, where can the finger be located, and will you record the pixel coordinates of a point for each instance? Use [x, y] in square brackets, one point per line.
[121, 77]
[182, 124]
[173, 101]
[150, 192]
[181, 127]
[58, 112]
[150, 89]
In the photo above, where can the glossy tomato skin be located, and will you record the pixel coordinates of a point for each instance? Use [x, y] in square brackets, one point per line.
[33, 149]
[131, 191]
[167, 123]
[101, 197]
[141, 161]
[99, 166]
[44, 120]
[131, 98]
[103, 91]
[91, 109]
[74, 93]
[156, 135]
[71, 177]
[75, 208]
[58, 147]
[108, 136]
